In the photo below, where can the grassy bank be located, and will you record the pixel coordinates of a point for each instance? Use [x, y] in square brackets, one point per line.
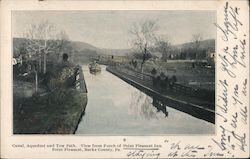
[186, 72]
[55, 110]
[55, 113]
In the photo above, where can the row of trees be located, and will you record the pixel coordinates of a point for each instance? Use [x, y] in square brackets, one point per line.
[145, 41]
[189, 53]
[40, 40]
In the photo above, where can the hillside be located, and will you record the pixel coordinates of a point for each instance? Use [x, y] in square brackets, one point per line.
[209, 43]
[85, 49]
[82, 46]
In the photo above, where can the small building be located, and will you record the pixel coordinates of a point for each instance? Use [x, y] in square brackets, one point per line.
[211, 55]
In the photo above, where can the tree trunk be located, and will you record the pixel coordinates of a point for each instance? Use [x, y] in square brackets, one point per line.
[36, 81]
[44, 63]
[59, 55]
[166, 56]
[58, 58]
[144, 56]
[40, 64]
[141, 66]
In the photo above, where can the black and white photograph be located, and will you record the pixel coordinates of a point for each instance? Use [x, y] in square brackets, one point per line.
[116, 72]
[128, 79]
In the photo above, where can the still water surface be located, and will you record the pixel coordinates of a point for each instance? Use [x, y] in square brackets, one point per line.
[117, 108]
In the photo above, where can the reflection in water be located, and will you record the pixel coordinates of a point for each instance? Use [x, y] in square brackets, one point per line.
[94, 72]
[141, 104]
[145, 106]
[117, 108]
[160, 106]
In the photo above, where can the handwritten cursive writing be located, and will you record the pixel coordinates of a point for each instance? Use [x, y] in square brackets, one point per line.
[234, 120]
[142, 153]
[226, 137]
[226, 66]
[231, 22]
[175, 146]
[244, 89]
[212, 153]
[243, 113]
[235, 96]
[224, 95]
[223, 140]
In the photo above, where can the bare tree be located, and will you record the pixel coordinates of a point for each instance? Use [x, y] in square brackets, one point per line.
[143, 37]
[62, 42]
[41, 40]
[196, 41]
[163, 45]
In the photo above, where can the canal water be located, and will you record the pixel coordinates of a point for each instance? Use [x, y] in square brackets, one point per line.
[117, 108]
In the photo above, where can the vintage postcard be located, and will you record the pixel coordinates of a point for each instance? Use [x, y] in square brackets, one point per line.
[124, 79]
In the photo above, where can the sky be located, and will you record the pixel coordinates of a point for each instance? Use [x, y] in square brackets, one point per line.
[110, 29]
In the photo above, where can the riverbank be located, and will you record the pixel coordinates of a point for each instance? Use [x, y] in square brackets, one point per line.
[195, 107]
[57, 109]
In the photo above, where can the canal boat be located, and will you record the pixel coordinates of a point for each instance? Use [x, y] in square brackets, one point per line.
[94, 68]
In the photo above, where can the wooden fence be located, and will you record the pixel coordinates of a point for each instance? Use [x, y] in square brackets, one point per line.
[204, 94]
[136, 74]
[80, 84]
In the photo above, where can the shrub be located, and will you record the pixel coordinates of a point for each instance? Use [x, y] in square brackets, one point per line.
[174, 79]
[55, 83]
[153, 72]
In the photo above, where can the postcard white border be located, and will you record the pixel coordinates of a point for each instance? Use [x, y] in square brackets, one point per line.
[7, 139]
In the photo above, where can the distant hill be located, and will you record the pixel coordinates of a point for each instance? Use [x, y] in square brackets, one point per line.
[85, 49]
[81, 46]
[209, 43]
